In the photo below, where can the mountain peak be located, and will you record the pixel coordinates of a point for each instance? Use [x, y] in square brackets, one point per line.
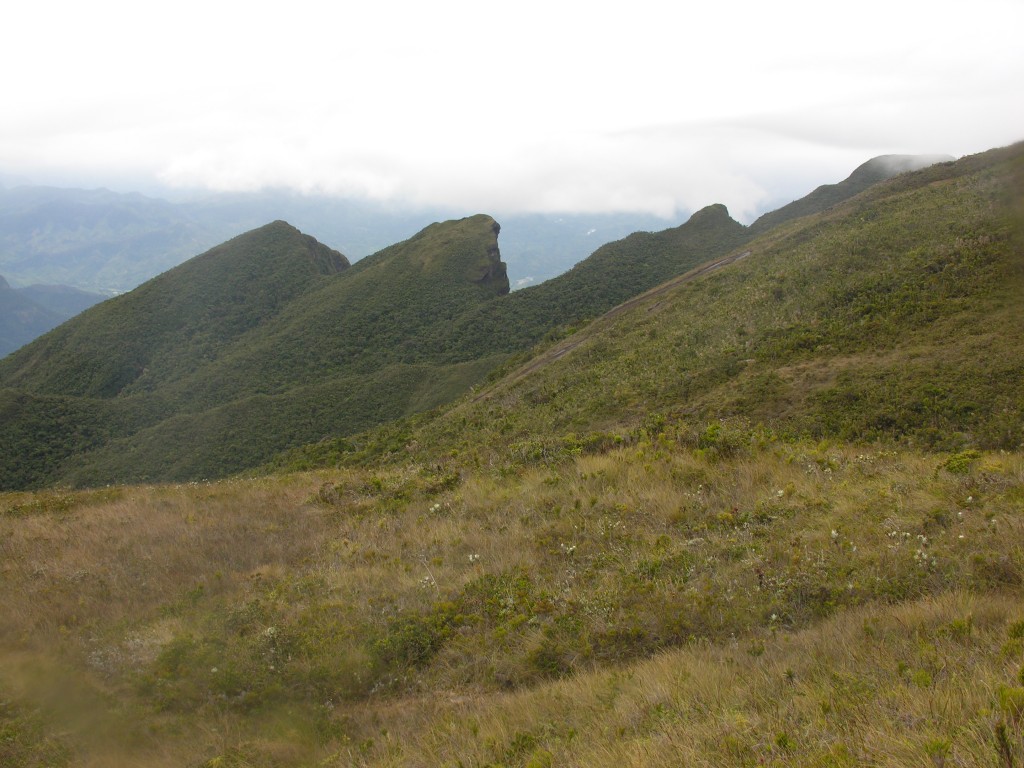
[269, 240]
[873, 171]
[886, 166]
[451, 251]
[714, 213]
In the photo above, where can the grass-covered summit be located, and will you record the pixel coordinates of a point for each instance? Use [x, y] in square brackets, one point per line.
[177, 322]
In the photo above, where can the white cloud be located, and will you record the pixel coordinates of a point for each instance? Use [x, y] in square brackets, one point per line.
[544, 106]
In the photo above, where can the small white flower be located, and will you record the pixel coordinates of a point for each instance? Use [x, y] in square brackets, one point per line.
[474, 558]
[835, 534]
[214, 670]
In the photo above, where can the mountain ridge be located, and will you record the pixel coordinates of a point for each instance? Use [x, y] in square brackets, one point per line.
[435, 308]
[738, 519]
[877, 319]
[863, 176]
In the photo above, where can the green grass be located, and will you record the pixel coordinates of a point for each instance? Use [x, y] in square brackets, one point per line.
[892, 318]
[352, 615]
[771, 513]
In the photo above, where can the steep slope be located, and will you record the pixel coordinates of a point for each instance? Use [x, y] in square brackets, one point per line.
[614, 273]
[404, 330]
[177, 321]
[892, 316]
[873, 171]
[203, 372]
[391, 308]
[649, 545]
[266, 341]
[625, 268]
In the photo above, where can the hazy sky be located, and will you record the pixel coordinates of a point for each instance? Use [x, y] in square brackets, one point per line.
[639, 105]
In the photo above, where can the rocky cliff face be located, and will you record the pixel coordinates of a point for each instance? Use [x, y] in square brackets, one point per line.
[494, 272]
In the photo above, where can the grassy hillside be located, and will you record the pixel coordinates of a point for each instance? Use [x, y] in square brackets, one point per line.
[175, 322]
[194, 375]
[655, 603]
[894, 316]
[258, 345]
[873, 171]
[770, 513]
[611, 275]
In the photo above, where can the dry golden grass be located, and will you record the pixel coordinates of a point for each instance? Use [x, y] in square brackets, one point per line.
[887, 686]
[794, 604]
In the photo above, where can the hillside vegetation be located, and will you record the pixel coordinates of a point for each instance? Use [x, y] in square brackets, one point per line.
[254, 347]
[269, 342]
[790, 604]
[769, 513]
[894, 317]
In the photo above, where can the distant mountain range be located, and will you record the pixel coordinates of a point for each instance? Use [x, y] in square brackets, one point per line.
[28, 312]
[108, 242]
[272, 340]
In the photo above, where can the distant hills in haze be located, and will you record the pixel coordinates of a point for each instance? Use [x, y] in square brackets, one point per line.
[110, 242]
[28, 312]
[272, 340]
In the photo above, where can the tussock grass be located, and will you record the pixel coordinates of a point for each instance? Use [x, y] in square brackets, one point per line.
[639, 606]
[915, 684]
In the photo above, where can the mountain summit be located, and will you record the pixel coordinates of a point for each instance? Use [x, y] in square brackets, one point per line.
[266, 341]
[865, 175]
[177, 321]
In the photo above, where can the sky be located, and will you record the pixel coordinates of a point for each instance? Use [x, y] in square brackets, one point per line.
[551, 106]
